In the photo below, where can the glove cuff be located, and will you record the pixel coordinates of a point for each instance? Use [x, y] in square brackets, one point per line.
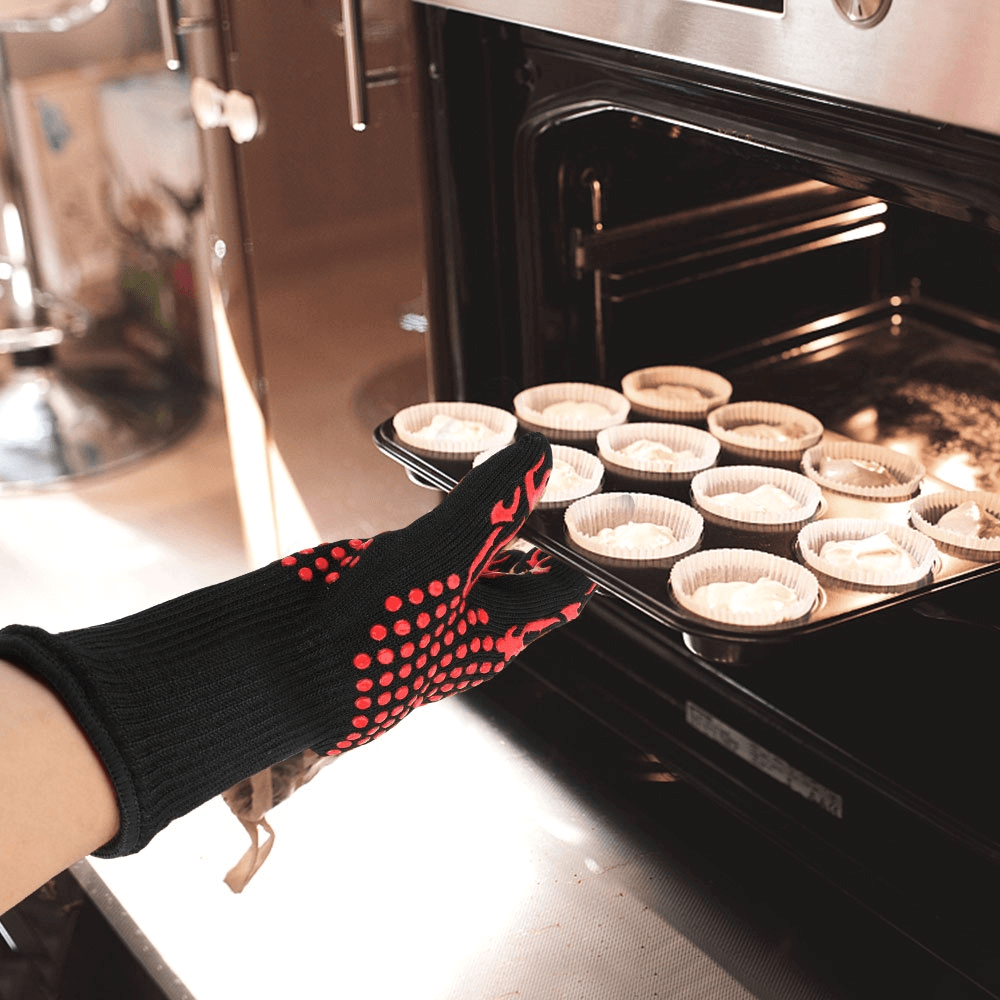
[183, 700]
[28, 648]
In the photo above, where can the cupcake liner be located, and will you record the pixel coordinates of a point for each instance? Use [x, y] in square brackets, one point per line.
[409, 421]
[529, 404]
[585, 519]
[728, 565]
[588, 467]
[926, 511]
[813, 536]
[906, 470]
[677, 437]
[640, 388]
[712, 483]
[726, 421]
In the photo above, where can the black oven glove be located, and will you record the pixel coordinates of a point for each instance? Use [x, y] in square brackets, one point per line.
[325, 649]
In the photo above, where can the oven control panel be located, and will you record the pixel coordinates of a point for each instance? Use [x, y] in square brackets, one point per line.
[925, 58]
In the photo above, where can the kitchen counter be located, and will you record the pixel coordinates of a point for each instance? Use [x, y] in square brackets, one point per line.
[443, 862]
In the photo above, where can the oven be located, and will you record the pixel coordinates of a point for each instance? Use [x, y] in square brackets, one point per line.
[803, 196]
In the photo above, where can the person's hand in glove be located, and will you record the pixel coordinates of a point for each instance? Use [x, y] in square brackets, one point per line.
[325, 649]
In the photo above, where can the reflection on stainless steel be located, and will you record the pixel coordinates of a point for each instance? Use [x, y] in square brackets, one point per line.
[55, 425]
[49, 429]
[20, 309]
[941, 418]
[129, 397]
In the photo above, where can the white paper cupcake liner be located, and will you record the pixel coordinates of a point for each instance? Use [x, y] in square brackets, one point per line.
[728, 565]
[409, 421]
[926, 511]
[585, 519]
[529, 404]
[708, 485]
[725, 422]
[588, 467]
[640, 388]
[611, 441]
[813, 537]
[906, 470]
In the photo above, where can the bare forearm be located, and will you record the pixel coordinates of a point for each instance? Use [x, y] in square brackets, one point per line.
[56, 802]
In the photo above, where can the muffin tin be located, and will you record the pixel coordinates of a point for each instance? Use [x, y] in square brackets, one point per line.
[647, 586]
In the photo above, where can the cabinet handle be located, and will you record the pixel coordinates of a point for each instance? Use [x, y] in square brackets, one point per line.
[354, 51]
[168, 36]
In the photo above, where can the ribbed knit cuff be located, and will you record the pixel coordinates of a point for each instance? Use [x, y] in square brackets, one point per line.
[182, 701]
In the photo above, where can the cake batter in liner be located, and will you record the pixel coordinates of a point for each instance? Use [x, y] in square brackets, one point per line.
[640, 387]
[585, 519]
[529, 404]
[728, 565]
[706, 486]
[927, 510]
[725, 422]
[908, 471]
[677, 437]
[812, 538]
[408, 421]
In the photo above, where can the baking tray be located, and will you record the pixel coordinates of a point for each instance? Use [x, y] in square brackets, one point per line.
[869, 367]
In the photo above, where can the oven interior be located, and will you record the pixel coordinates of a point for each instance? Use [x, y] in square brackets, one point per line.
[610, 211]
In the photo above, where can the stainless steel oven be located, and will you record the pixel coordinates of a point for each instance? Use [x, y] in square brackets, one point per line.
[803, 195]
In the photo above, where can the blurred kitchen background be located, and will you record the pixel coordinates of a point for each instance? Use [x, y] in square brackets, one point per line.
[174, 266]
[199, 334]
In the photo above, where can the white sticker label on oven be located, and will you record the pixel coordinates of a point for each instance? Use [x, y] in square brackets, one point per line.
[763, 760]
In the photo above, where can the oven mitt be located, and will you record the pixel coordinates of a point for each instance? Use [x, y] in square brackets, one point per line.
[325, 649]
